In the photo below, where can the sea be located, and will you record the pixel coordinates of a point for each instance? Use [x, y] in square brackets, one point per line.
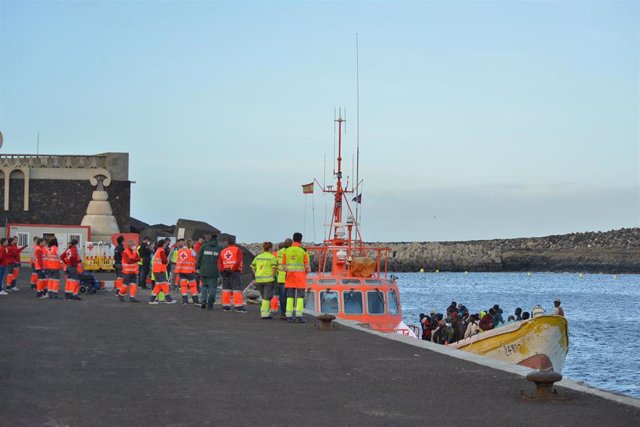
[603, 311]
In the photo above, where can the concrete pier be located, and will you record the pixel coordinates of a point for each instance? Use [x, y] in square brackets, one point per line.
[100, 362]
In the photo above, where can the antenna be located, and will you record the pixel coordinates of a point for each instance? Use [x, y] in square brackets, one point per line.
[334, 140]
[38, 145]
[357, 131]
[353, 168]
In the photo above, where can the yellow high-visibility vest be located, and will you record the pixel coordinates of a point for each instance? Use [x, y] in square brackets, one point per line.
[264, 265]
[282, 275]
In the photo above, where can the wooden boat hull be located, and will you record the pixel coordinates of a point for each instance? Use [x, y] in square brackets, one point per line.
[539, 343]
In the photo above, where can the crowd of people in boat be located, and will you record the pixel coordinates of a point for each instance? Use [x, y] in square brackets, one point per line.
[458, 323]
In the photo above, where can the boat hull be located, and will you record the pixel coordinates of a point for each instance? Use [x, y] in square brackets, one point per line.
[539, 343]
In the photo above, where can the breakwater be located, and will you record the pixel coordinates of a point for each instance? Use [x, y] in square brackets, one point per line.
[616, 251]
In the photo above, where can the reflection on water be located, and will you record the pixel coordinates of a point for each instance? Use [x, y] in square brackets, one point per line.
[602, 310]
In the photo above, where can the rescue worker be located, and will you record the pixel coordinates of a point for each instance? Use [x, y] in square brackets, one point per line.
[186, 272]
[3, 263]
[52, 264]
[144, 251]
[34, 274]
[196, 249]
[117, 262]
[198, 245]
[13, 263]
[159, 268]
[296, 264]
[173, 257]
[71, 260]
[280, 291]
[130, 270]
[230, 265]
[207, 266]
[39, 266]
[264, 269]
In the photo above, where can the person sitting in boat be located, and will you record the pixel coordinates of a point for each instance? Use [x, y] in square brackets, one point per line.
[518, 314]
[452, 323]
[452, 308]
[497, 316]
[511, 319]
[462, 310]
[537, 310]
[525, 315]
[434, 318]
[443, 334]
[472, 326]
[436, 323]
[486, 323]
[425, 324]
[459, 327]
[557, 310]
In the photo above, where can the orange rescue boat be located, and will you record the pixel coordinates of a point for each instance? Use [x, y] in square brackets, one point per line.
[352, 280]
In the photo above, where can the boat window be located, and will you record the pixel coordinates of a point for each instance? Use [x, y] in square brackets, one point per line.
[373, 281]
[375, 302]
[327, 281]
[310, 300]
[329, 302]
[393, 302]
[351, 282]
[352, 302]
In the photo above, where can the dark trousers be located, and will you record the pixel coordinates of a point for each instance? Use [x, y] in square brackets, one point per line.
[282, 293]
[142, 275]
[208, 291]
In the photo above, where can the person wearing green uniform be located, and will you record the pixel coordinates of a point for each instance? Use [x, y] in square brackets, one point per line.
[207, 267]
[264, 269]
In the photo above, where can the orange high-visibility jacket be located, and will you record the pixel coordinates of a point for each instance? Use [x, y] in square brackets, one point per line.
[159, 261]
[296, 263]
[130, 260]
[38, 258]
[51, 258]
[186, 261]
[230, 259]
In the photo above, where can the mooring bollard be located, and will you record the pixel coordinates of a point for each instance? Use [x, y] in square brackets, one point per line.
[544, 381]
[325, 321]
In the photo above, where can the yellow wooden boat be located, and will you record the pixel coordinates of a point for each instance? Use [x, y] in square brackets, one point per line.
[539, 343]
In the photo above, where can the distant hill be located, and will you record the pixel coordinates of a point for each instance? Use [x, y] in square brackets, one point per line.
[616, 251]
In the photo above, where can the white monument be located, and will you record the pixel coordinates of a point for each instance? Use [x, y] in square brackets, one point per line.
[99, 213]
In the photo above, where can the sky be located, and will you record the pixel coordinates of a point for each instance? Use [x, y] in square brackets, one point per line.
[478, 120]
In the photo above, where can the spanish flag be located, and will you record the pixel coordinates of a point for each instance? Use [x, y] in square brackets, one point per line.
[307, 188]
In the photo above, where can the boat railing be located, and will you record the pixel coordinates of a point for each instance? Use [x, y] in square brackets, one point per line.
[326, 253]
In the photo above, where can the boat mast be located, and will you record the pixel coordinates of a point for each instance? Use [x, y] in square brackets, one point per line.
[337, 207]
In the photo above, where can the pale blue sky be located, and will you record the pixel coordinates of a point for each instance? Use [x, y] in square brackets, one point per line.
[478, 119]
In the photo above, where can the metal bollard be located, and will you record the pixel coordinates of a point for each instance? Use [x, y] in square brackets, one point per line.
[325, 321]
[544, 381]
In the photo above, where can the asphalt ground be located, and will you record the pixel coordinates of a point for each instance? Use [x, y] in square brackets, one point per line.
[100, 362]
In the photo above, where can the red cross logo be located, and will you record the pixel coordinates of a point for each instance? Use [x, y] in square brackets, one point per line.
[183, 256]
[228, 255]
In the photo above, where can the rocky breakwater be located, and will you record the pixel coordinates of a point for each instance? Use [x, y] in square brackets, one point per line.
[616, 251]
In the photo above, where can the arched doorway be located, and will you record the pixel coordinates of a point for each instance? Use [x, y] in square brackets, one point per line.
[16, 190]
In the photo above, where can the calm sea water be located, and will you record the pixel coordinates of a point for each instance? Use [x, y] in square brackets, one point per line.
[603, 313]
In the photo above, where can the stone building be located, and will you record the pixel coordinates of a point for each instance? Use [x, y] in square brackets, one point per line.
[57, 189]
